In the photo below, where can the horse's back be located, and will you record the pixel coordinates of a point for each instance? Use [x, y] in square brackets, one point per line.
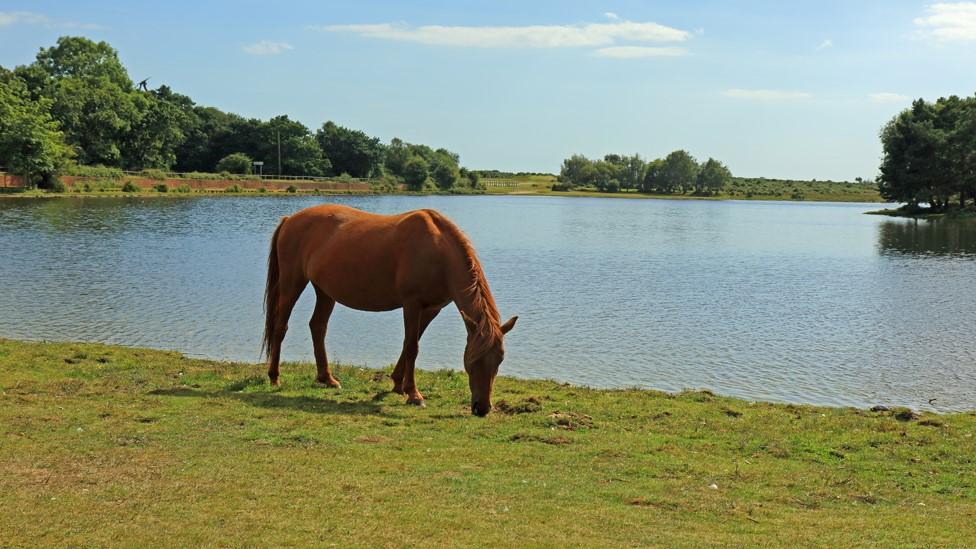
[361, 259]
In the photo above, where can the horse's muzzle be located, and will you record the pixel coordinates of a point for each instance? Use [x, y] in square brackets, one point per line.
[480, 411]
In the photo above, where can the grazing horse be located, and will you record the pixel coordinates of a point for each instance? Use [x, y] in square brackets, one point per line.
[418, 260]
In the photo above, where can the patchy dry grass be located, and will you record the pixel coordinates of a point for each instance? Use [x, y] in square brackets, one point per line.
[103, 445]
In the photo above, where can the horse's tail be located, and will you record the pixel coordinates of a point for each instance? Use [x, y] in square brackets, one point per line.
[271, 291]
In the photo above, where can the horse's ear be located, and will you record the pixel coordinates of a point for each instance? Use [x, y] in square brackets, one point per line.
[471, 324]
[507, 327]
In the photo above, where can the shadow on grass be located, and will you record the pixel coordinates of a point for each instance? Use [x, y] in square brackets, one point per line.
[278, 401]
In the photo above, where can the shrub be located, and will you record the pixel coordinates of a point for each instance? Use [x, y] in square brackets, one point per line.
[262, 190]
[292, 189]
[415, 173]
[95, 171]
[154, 173]
[346, 178]
[57, 186]
[384, 184]
[238, 163]
[128, 187]
[184, 188]
[161, 188]
[235, 188]
[200, 175]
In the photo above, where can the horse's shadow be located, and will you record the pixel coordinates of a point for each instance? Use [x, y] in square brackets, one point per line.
[277, 401]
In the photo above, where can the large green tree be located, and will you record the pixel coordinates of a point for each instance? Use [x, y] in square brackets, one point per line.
[350, 151]
[30, 143]
[712, 177]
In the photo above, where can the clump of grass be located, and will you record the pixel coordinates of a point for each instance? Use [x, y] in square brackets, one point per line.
[292, 189]
[235, 188]
[161, 188]
[129, 187]
[183, 188]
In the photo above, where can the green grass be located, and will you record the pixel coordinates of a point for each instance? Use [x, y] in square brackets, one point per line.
[105, 445]
[740, 189]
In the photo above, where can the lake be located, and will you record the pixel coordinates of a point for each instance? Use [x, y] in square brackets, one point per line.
[792, 302]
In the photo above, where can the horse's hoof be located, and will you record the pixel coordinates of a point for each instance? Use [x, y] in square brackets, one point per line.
[276, 383]
[416, 402]
[398, 390]
[333, 383]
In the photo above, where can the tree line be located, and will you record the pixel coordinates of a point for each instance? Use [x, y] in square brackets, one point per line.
[76, 105]
[678, 172]
[929, 154]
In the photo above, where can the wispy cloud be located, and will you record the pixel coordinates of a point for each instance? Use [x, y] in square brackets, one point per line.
[611, 16]
[10, 18]
[949, 22]
[828, 43]
[765, 95]
[637, 52]
[888, 97]
[267, 47]
[530, 36]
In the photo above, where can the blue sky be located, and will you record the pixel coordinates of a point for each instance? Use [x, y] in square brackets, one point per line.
[776, 89]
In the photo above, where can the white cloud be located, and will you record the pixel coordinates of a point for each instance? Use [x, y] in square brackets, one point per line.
[531, 36]
[888, 97]
[611, 16]
[8, 18]
[765, 95]
[949, 22]
[637, 52]
[828, 43]
[267, 47]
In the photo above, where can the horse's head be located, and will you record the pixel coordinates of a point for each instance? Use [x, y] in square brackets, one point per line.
[482, 366]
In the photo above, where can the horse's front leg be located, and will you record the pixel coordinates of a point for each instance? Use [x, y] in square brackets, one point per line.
[415, 322]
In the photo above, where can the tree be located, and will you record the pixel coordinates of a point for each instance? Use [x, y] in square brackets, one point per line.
[415, 173]
[574, 170]
[155, 132]
[238, 163]
[712, 177]
[677, 173]
[350, 151]
[30, 143]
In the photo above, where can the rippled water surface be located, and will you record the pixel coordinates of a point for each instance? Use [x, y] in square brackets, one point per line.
[796, 302]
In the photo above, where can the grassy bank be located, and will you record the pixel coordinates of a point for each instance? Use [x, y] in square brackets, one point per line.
[739, 189]
[111, 445]
[923, 214]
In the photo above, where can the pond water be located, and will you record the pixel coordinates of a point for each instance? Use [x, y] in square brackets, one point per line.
[796, 302]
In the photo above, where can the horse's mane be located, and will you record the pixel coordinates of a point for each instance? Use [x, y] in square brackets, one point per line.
[488, 327]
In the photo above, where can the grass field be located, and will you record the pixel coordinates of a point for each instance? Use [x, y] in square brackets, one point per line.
[104, 445]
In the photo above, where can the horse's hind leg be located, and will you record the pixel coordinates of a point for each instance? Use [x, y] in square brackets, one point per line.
[288, 293]
[318, 325]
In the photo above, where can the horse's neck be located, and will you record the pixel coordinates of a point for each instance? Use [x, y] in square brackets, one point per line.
[473, 304]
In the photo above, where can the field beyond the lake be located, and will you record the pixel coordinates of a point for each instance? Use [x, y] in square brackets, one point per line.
[108, 445]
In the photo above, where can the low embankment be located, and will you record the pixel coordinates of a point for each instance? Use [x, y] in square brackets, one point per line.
[105, 445]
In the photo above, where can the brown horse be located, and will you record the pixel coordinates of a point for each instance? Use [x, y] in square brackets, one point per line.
[418, 260]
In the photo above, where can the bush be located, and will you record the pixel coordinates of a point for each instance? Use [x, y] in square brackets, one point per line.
[161, 188]
[153, 173]
[184, 188]
[415, 173]
[384, 184]
[238, 163]
[346, 178]
[95, 171]
[262, 190]
[129, 187]
[292, 189]
[200, 175]
[55, 185]
[235, 188]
